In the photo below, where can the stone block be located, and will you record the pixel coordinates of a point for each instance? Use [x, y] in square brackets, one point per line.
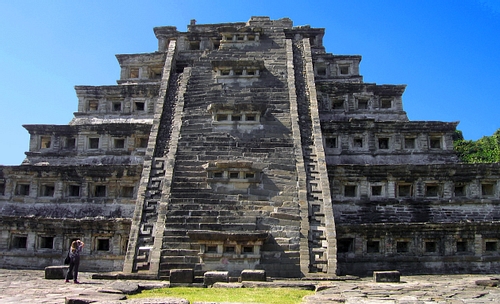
[182, 276]
[253, 275]
[56, 272]
[488, 283]
[386, 276]
[211, 277]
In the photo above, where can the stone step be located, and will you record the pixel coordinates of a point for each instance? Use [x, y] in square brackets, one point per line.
[203, 194]
[165, 267]
[195, 193]
[195, 184]
[196, 213]
[213, 226]
[203, 213]
[179, 259]
[192, 204]
[188, 175]
[210, 219]
[209, 201]
[198, 207]
[179, 252]
[176, 245]
[169, 232]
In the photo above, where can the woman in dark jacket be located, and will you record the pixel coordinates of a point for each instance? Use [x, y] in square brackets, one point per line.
[74, 262]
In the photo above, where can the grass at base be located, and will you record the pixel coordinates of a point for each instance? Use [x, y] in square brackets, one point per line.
[247, 295]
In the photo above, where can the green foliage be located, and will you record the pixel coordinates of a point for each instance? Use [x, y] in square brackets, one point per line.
[248, 295]
[484, 150]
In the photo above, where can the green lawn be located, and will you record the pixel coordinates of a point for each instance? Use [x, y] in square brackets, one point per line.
[247, 295]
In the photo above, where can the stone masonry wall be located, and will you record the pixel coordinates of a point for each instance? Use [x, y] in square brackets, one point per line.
[36, 242]
[419, 248]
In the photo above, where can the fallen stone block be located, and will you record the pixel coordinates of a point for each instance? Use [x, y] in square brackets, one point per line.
[56, 272]
[122, 287]
[386, 276]
[253, 275]
[182, 276]
[211, 277]
[488, 283]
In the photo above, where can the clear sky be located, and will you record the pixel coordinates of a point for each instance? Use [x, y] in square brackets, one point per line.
[445, 51]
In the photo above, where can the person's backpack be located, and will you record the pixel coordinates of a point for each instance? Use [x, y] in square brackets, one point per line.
[66, 260]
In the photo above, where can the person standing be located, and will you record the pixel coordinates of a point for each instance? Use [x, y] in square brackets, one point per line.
[74, 260]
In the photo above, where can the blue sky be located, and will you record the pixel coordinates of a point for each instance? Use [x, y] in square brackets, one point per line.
[445, 51]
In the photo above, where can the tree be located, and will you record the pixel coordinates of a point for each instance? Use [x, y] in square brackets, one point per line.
[484, 150]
